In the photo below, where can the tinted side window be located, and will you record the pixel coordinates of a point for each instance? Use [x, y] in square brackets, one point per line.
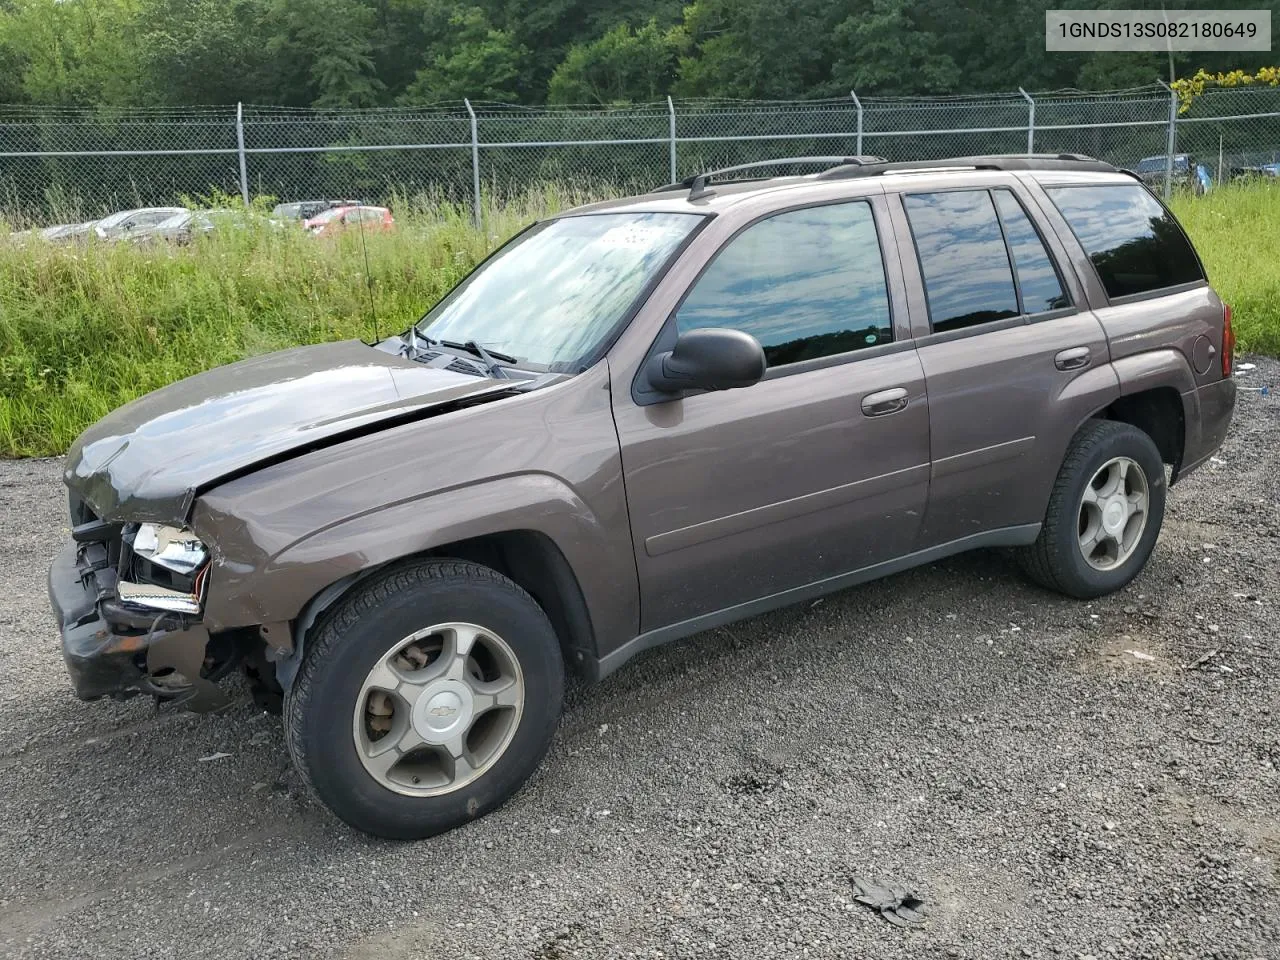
[967, 277]
[1038, 280]
[806, 283]
[1135, 244]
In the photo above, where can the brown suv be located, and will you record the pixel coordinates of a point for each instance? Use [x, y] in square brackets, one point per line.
[635, 421]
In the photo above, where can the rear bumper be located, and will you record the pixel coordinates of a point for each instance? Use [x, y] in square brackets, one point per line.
[1216, 403]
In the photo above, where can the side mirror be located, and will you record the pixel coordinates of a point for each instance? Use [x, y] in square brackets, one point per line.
[708, 359]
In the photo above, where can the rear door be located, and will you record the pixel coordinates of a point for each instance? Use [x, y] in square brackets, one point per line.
[1012, 356]
[819, 469]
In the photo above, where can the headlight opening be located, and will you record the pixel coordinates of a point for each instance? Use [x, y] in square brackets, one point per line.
[166, 569]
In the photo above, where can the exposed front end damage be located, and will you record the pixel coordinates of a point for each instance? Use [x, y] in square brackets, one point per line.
[121, 643]
[130, 590]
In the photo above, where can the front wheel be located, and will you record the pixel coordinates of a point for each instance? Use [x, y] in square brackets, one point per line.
[1104, 513]
[425, 699]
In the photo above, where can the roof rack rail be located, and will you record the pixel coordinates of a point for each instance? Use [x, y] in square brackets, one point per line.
[994, 161]
[697, 184]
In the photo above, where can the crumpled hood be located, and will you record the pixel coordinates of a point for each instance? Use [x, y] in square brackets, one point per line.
[150, 458]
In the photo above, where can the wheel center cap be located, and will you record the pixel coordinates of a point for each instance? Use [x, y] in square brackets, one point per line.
[1114, 516]
[442, 711]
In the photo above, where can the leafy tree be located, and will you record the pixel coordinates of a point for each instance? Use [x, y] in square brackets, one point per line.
[367, 52]
[322, 51]
[623, 65]
[548, 28]
[12, 60]
[884, 51]
[194, 51]
[77, 53]
[755, 48]
[471, 60]
[401, 42]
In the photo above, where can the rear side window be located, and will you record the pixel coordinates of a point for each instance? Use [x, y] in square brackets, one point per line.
[1038, 280]
[806, 283]
[967, 276]
[1135, 244]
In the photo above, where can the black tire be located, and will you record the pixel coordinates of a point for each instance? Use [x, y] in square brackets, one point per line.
[1055, 560]
[363, 627]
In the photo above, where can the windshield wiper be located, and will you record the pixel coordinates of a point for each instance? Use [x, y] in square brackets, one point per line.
[490, 357]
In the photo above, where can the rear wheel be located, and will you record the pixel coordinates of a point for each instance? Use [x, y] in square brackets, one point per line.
[1104, 513]
[426, 699]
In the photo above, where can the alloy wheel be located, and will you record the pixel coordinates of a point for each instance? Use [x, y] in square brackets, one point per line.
[1113, 513]
[438, 709]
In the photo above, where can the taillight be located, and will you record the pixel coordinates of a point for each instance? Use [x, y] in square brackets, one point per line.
[1228, 341]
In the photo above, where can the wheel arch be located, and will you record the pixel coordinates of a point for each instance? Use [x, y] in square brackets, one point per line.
[1159, 412]
[530, 558]
[1157, 394]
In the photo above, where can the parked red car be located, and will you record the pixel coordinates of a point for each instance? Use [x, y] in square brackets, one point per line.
[337, 219]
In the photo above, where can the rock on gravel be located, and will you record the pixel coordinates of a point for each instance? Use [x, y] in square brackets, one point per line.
[1053, 778]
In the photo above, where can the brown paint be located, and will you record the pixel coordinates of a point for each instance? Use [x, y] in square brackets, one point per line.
[671, 515]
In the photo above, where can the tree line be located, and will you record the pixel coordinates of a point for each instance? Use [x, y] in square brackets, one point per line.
[364, 53]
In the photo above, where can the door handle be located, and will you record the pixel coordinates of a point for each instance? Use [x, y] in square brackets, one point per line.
[1072, 359]
[885, 402]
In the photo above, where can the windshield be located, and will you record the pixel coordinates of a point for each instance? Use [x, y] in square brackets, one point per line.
[174, 222]
[555, 292]
[112, 220]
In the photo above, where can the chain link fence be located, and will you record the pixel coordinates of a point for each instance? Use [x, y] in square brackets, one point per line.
[66, 164]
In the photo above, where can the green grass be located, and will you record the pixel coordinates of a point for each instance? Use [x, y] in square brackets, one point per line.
[86, 328]
[1237, 231]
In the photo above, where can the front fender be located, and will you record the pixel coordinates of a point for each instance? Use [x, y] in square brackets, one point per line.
[276, 588]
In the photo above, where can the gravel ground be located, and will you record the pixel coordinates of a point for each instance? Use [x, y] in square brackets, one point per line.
[1052, 778]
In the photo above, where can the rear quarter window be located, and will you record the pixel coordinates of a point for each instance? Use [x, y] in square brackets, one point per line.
[1135, 244]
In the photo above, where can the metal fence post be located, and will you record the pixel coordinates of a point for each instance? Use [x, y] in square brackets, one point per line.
[671, 115]
[244, 166]
[858, 103]
[475, 162]
[1031, 121]
[1171, 145]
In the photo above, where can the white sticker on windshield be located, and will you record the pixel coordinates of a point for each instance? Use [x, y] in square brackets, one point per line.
[633, 235]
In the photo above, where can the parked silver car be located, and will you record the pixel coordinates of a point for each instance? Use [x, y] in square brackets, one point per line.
[186, 226]
[126, 223]
[65, 232]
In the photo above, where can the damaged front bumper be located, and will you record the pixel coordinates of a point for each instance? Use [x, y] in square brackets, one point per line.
[112, 650]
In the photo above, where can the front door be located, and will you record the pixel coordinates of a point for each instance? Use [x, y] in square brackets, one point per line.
[819, 469]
